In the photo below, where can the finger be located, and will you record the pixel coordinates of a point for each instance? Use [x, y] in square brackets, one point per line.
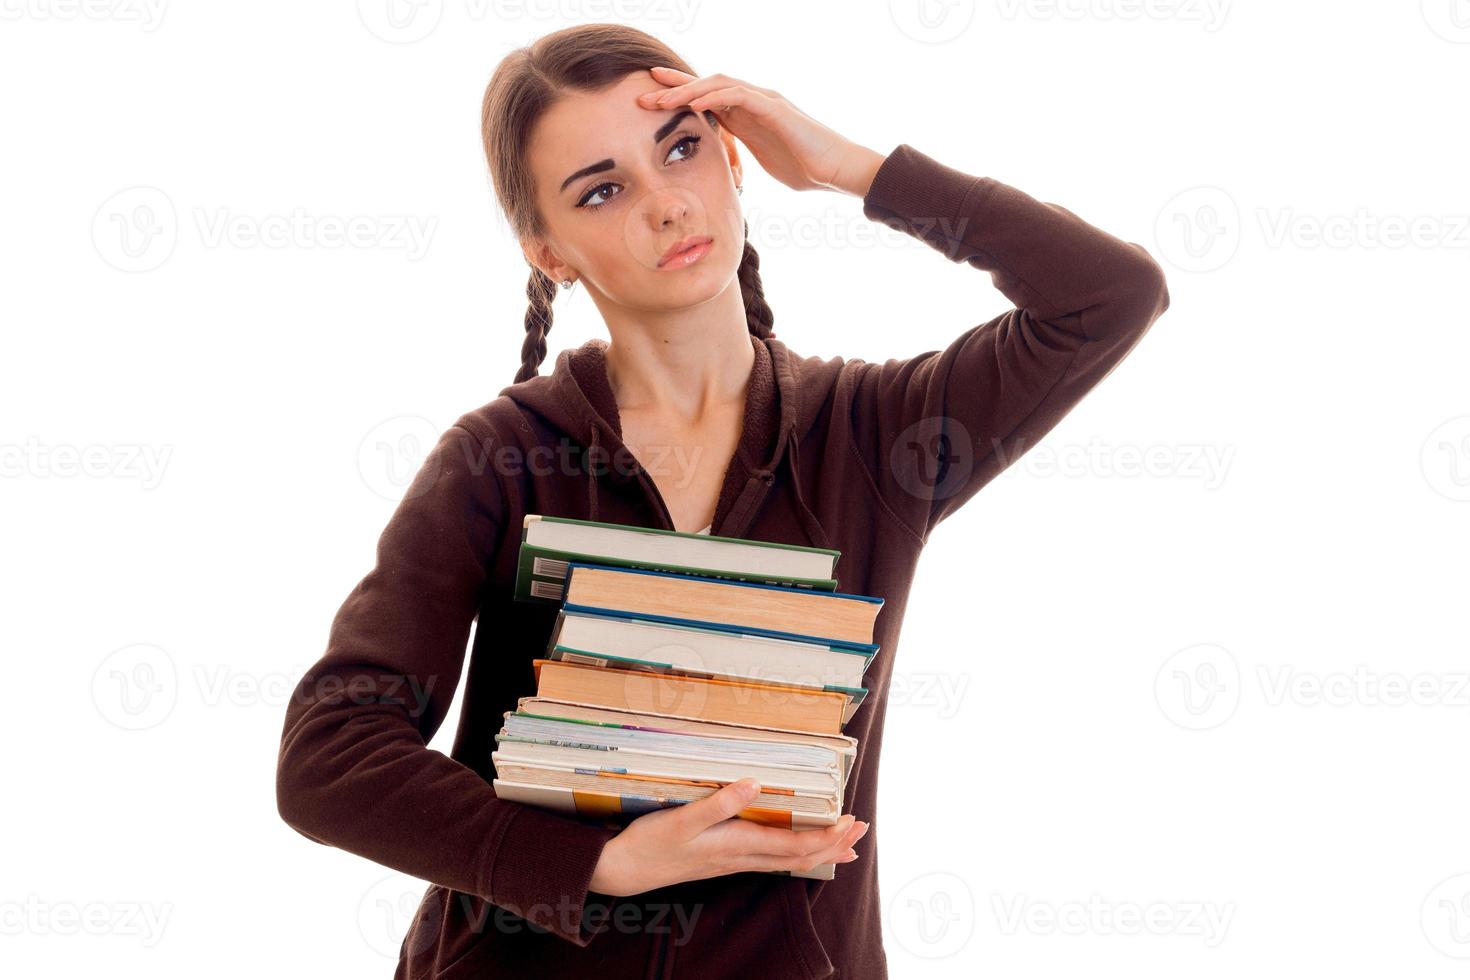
[735, 97]
[722, 804]
[760, 839]
[683, 92]
[797, 862]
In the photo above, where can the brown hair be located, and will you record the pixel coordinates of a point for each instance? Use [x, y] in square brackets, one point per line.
[527, 82]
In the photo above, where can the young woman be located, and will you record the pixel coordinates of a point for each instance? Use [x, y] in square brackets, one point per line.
[620, 168]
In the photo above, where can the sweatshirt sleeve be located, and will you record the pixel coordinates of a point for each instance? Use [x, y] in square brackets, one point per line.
[354, 770]
[938, 426]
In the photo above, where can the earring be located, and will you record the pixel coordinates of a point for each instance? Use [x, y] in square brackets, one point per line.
[740, 189]
[567, 284]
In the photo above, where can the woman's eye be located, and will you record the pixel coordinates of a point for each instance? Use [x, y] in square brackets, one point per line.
[588, 201]
[693, 142]
[593, 193]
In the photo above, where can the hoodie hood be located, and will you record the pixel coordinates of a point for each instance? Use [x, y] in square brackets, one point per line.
[577, 400]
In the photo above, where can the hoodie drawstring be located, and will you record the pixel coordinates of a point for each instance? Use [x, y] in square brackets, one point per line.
[592, 476]
[814, 530]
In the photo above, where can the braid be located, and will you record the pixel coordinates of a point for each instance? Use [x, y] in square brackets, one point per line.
[539, 290]
[758, 315]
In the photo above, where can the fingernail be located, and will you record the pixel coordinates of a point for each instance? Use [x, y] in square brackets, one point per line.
[750, 788]
[843, 823]
[851, 854]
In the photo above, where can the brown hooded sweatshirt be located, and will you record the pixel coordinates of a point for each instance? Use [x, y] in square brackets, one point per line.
[865, 457]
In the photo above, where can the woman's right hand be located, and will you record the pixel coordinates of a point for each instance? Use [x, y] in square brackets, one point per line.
[704, 838]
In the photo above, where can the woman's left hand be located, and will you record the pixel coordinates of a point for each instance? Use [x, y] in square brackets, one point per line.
[792, 146]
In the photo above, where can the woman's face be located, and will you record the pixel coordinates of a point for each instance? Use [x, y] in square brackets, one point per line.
[619, 185]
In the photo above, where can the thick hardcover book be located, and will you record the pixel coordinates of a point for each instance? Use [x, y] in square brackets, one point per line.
[702, 698]
[602, 638]
[774, 610]
[550, 544]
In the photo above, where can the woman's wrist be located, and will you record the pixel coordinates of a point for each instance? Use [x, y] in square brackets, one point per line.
[856, 170]
[605, 874]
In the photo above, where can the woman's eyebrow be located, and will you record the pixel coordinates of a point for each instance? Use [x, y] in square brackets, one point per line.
[658, 137]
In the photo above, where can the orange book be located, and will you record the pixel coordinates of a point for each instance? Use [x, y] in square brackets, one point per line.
[712, 699]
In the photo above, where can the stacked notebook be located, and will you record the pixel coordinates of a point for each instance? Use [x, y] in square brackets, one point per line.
[679, 663]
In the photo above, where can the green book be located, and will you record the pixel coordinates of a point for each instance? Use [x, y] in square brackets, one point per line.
[549, 544]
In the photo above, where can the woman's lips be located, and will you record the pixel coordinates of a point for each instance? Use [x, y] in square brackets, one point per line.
[685, 252]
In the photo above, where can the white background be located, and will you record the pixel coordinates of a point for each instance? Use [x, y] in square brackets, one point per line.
[1225, 693]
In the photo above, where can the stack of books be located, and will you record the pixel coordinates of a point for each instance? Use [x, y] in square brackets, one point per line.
[680, 663]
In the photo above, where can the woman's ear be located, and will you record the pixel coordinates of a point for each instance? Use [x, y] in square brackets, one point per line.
[732, 156]
[540, 256]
